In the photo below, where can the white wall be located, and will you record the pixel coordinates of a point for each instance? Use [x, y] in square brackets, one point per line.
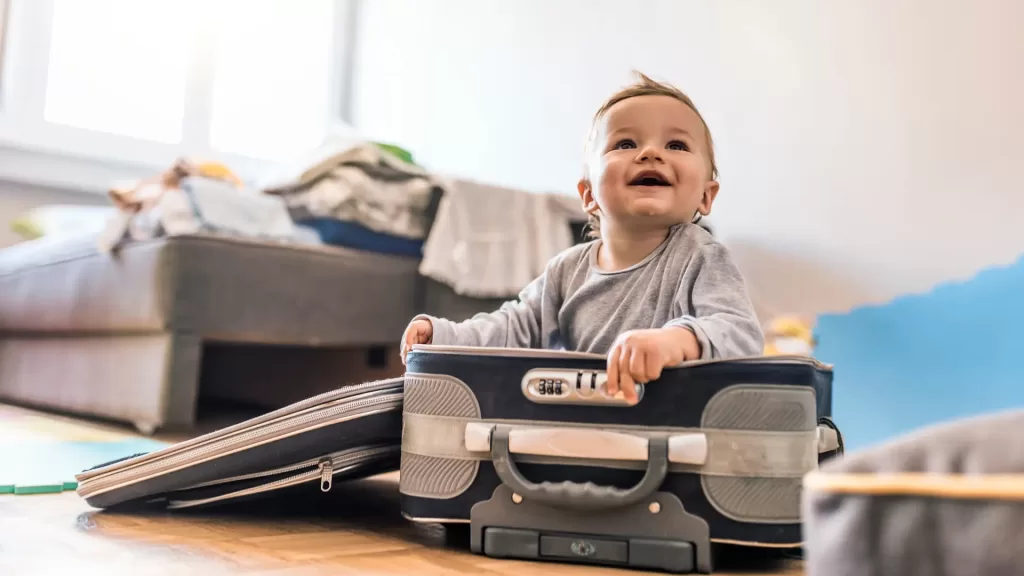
[868, 148]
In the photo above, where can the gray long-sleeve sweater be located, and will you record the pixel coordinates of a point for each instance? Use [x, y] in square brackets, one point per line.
[690, 281]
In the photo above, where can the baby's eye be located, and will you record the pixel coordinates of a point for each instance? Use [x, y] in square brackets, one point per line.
[678, 145]
[625, 144]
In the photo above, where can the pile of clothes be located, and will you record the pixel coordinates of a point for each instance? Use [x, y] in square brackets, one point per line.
[193, 198]
[483, 241]
[367, 196]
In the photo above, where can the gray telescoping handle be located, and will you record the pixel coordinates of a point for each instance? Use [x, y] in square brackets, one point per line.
[586, 496]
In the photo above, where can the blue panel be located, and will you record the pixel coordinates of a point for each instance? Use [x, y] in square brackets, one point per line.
[919, 360]
[46, 463]
[354, 235]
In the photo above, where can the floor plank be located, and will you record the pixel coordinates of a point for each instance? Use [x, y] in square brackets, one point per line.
[356, 528]
[361, 532]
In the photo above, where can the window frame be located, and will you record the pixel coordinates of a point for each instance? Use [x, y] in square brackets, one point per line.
[35, 151]
[4, 10]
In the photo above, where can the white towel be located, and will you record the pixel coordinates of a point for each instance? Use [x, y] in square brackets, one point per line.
[490, 242]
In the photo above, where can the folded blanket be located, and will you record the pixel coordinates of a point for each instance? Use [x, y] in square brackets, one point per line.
[365, 184]
[490, 242]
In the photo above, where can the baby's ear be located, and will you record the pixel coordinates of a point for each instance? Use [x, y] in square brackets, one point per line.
[710, 192]
[587, 196]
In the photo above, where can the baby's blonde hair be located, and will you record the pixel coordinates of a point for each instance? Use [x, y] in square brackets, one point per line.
[644, 86]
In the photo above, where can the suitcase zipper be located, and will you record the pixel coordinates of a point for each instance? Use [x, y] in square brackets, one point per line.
[219, 435]
[326, 475]
[563, 354]
[254, 475]
[119, 479]
[305, 464]
[327, 467]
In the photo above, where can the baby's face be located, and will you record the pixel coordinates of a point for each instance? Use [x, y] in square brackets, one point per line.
[649, 164]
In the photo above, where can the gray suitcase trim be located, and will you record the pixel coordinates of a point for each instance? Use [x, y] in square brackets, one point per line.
[751, 470]
[761, 500]
[430, 475]
[741, 453]
[764, 500]
[439, 395]
[753, 407]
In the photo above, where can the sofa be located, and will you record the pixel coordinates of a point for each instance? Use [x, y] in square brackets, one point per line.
[140, 334]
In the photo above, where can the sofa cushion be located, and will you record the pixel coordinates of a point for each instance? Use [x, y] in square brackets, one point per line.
[219, 288]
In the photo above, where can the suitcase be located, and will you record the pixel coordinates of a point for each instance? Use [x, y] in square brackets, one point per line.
[528, 448]
[351, 432]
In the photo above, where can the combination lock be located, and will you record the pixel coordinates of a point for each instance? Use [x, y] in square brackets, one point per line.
[565, 386]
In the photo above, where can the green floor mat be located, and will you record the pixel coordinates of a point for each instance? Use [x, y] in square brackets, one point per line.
[49, 466]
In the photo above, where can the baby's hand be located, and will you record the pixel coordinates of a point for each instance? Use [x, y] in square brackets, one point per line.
[640, 355]
[419, 331]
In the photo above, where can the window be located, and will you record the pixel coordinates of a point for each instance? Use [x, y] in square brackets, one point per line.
[248, 82]
[119, 66]
[279, 61]
[3, 40]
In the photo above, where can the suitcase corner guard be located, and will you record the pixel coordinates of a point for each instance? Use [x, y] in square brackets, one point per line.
[638, 527]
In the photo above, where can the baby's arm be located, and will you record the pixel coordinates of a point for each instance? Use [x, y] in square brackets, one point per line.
[516, 324]
[718, 321]
[721, 314]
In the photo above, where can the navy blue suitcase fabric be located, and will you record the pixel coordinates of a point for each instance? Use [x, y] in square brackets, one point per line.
[740, 435]
[350, 432]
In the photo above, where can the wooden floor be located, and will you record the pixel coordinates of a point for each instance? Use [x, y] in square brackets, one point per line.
[354, 529]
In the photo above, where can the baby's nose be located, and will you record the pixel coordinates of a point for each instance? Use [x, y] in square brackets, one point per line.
[650, 153]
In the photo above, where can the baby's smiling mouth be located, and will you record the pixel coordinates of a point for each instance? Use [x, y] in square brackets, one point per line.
[649, 178]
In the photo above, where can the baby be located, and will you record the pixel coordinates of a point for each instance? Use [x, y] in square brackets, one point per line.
[653, 289]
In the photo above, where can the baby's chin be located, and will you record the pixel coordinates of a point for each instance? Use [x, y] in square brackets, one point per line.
[652, 207]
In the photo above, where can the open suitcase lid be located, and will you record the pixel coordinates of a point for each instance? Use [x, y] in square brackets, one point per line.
[343, 404]
[323, 470]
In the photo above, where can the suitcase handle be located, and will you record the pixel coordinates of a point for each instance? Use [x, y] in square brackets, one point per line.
[586, 496]
[830, 439]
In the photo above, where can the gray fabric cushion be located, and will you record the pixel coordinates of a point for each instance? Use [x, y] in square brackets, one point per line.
[215, 287]
[65, 284]
[928, 503]
[442, 301]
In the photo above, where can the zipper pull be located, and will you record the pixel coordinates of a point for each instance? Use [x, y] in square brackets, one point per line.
[326, 475]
